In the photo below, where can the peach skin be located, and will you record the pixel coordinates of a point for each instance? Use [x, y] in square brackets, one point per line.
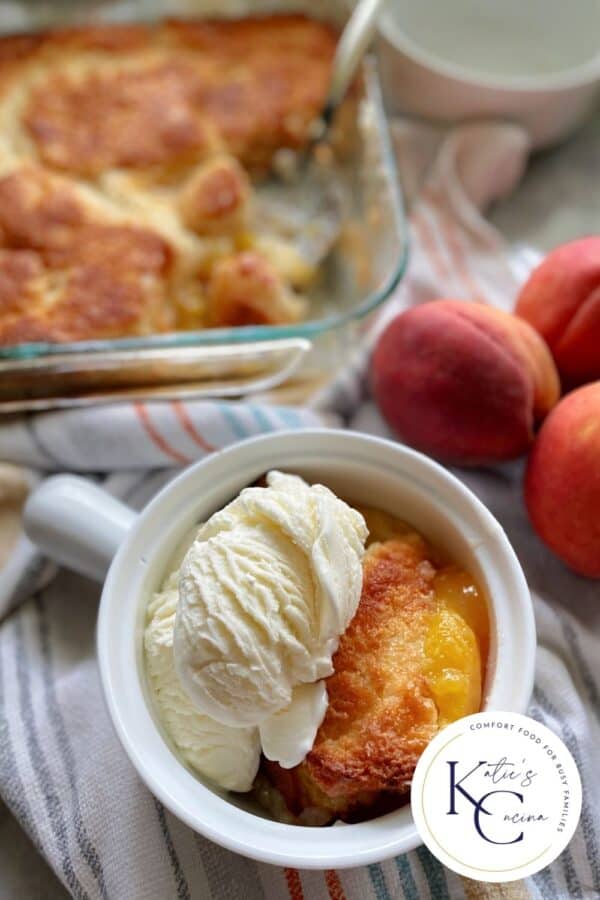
[463, 382]
[562, 481]
[561, 300]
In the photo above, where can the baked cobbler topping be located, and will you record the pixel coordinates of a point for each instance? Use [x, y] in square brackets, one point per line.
[411, 661]
[128, 154]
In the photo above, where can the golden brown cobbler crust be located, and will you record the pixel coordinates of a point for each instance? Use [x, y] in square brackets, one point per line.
[66, 274]
[381, 715]
[123, 158]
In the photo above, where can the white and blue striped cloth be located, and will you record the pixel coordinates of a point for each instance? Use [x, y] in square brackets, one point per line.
[62, 771]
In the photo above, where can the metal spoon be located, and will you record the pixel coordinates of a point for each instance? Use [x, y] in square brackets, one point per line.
[303, 202]
[352, 46]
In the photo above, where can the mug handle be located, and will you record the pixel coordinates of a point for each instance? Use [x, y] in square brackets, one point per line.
[77, 524]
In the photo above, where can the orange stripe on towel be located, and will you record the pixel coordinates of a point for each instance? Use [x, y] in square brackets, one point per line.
[292, 876]
[334, 885]
[156, 438]
[189, 427]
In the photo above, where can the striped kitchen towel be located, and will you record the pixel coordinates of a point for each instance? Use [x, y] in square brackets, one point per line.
[62, 771]
[141, 436]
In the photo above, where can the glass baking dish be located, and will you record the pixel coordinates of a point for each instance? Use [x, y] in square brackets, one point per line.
[359, 273]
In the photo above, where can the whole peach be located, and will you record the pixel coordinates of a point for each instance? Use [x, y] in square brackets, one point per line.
[562, 480]
[462, 381]
[561, 300]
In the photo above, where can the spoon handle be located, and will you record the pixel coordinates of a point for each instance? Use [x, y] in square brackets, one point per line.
[355, 39]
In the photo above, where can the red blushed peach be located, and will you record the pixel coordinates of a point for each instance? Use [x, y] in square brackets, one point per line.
[462, 381]
[561, 300]
[562, 481]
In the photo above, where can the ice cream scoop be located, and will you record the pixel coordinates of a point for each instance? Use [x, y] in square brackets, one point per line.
[228, 756]
[265, 591]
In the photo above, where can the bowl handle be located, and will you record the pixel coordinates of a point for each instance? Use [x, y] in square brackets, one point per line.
[77, 524]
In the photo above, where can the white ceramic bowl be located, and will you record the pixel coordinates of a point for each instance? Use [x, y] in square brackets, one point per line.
[81, 526]
[536, 62]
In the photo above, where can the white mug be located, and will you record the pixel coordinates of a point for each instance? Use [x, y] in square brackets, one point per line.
[536, 63]
[81, 526]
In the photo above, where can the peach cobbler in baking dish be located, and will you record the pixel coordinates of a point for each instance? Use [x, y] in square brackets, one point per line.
[127, 161]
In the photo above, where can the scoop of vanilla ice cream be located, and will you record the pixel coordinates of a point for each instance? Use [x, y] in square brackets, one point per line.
[265, 592]
[228, 756]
